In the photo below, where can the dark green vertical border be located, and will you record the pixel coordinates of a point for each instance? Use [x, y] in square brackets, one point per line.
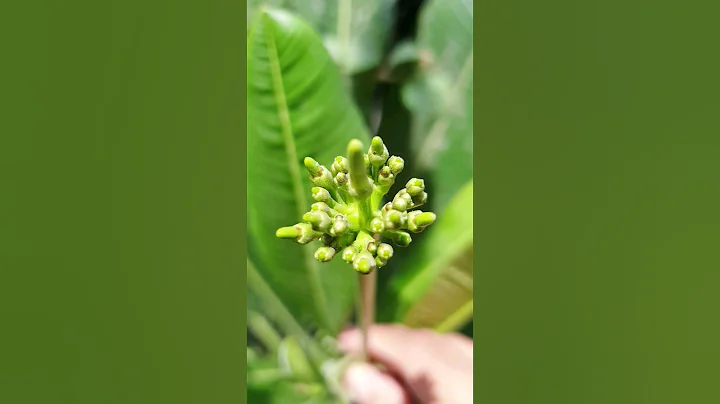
[122, 202]
[243, 192]
[597, 141]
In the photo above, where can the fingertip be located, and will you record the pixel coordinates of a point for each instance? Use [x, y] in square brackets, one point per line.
[349, 340]
[365, 384]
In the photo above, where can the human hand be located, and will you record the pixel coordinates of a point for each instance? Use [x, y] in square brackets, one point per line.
[423, 366]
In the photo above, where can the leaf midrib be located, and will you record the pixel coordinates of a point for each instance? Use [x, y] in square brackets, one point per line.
[298, 190]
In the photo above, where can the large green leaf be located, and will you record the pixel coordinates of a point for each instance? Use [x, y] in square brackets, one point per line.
[434, 290]
[441, 97]
[297, 107]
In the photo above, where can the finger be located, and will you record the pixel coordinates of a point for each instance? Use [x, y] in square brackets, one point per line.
[365, 384]
[404, 351]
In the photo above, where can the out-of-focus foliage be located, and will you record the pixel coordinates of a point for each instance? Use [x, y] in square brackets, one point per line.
[440, 96]
[435, 288]
[297, 107]
[354, 32]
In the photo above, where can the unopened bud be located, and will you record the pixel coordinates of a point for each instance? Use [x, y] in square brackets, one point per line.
[359, 185]
[385, 179]
[348, 254]
[364, 263]
[320, 207]
[377, 225]
[320, 221]
[339, 165]
[385, 251]
[340, 226]
[399, 238]
[319, 174]
[396, 164]
[415, 186]
[320, 194]
[378, 153]
[402, 201]
[419, 199]
[324, 254]
[419, 220]
[302, 233]
[394, 219]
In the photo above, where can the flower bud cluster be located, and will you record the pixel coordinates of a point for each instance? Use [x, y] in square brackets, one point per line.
[347, 217]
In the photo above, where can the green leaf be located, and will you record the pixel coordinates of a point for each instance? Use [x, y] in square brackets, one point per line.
[355, 32]
[434, 290]
[297, 107]
[441, 97]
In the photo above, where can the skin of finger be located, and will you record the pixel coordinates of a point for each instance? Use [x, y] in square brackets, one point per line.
[436, 367]
[365, 384]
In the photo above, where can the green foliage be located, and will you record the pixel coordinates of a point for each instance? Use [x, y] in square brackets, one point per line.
[435, 289]
[297, 107]
[440, 96]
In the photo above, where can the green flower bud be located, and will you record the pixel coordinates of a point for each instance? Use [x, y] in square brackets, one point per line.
[396, 164]
[377, 225]
[359, 185]
[378, 153]
[419, 199]
[340, 165]
[340, 226]
[320, 194]
[302, 233]
[385, 179]
[320, 221]
[348, 254]
[402, 201]
[384, 251]
[324, 254]
[399, 238]
[419, 220]
[319, 175]
[364, 263]
[380, 262]
[371, 247]
[341, 179]
[394, 219]
[320, 207]
[415, 186]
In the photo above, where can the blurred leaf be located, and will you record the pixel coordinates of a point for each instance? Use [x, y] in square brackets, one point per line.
[292, 360]
[403, 60]
[354, 32]
[297, 107]
[435, 288]
[263, 331]
[441, 97]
